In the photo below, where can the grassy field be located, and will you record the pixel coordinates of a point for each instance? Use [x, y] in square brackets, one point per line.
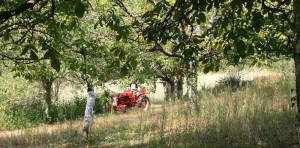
[259, 113]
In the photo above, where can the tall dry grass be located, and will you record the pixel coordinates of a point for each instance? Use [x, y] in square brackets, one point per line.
[256, 114]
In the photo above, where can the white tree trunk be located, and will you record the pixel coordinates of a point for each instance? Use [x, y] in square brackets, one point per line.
[88, 114]
[47, 110]
[175, 91]
[190, 83]
[47, 85]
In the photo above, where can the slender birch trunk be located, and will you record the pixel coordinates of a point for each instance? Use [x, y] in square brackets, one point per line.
[47, 84]
[175, 91]
[88, 114]
[191, 83]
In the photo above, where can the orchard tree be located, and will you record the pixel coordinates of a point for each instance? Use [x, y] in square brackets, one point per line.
[207, 31]
[181, 23]
[33, 31]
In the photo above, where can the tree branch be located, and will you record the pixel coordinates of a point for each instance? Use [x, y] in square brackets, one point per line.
[19, 60]
[158, 47]
[5, 15]
[124, 8]
[277, 9]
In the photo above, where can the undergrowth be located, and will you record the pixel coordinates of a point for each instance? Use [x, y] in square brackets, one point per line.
[17, 116]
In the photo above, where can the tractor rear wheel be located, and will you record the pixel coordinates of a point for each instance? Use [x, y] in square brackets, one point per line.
[145, 103]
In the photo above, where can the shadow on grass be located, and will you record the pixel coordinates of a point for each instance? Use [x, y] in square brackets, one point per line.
[271, 131]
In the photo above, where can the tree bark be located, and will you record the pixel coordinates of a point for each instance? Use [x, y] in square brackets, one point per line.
[191, 82]
[180, 87]
[296, 4]
[173, 88]
[167, 91]
[88, 114]
[7, 14]
[47, 84]
[175, 91]
[56, 85]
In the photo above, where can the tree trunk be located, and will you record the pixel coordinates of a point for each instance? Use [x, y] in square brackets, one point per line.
[167, 91]
[47, 84]
[56, 85]
[175, 91]
[168, 85]
[180, 87]
[296, 4]
[88, 114]
[192, 82]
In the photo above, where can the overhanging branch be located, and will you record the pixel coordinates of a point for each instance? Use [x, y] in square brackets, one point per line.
[5, 15]
[159, 48]
[277, 9]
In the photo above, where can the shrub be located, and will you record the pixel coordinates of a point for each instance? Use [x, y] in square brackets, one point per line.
[27, 115]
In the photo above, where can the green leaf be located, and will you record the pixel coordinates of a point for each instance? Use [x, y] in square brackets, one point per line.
[241, 46]
[236, 59]
[74, 65]
[25, 50]
[55, 63]
[202, 18]
[176, 16]
[116, 63]
[124, 70]
[6, 36]
[209, 7]
[226, 49]
[96, 25]
[203, 5]
[249, 4]
[207, 68]
[119, 37]
[133, 64]
[251, 50]
[287, 2]
[225, 22]
[79, 9]
[47, 55]
[136, 23]
[33, 55]
[257, 21]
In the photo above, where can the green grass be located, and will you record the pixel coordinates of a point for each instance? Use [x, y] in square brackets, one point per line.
[17, 116]
[257, 114]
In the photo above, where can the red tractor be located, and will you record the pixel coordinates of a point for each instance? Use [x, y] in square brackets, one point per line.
[127, 99]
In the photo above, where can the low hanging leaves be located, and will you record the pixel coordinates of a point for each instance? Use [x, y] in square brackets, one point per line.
[124, 70]
[79, 9]
[55, 63]
[33, 55]
[25, 50]
[6, 36]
